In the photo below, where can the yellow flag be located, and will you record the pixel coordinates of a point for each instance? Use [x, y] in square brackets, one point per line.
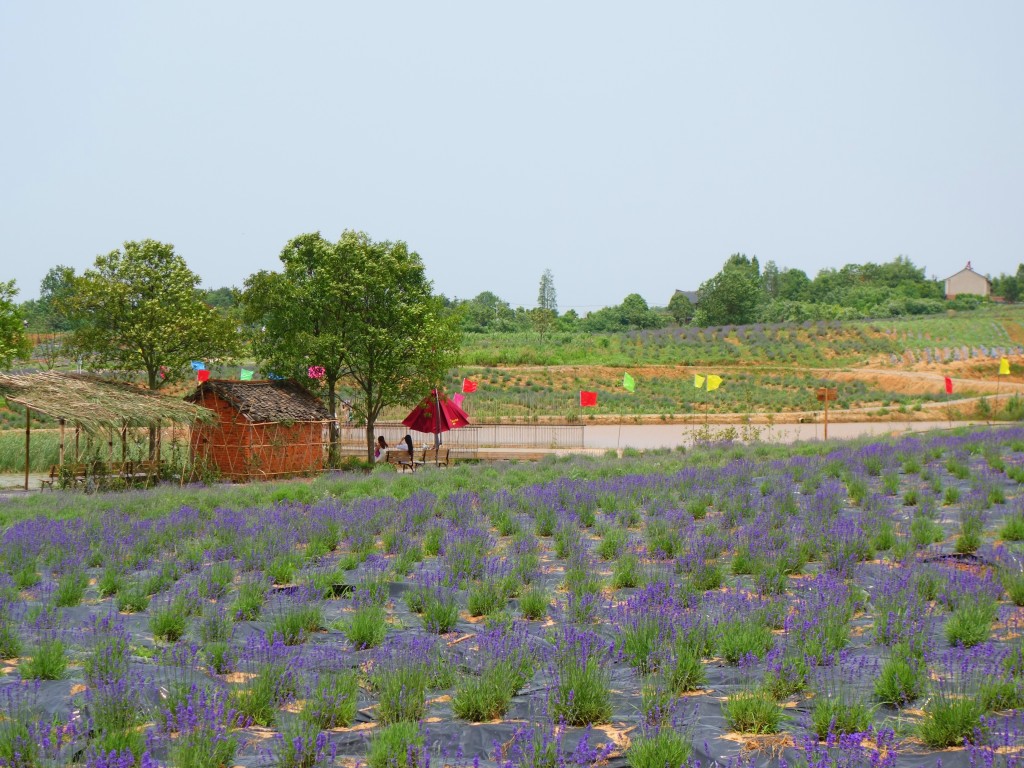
[1004, 367]
[698, 380]
[714, 382]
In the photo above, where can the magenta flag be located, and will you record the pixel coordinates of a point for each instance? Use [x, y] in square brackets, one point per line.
[457, 398]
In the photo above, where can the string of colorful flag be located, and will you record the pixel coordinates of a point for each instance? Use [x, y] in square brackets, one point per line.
[588, 399]
[203, 374]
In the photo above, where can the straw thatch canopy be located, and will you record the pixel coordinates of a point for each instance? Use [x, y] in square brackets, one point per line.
[96, 404]
[263, 402]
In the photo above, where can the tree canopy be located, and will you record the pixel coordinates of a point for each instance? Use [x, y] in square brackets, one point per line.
[733, 296]
[138, 309]
[363, 311]
[741, 293]
[13, 343]
[632, 314]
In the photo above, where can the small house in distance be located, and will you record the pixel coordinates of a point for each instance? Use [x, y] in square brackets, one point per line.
[967, 281]
[265, 430]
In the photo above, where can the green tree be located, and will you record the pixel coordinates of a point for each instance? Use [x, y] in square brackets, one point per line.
[13, 343]
[547, 297]
[486, 312]
[680, 308]
[545, 316]
[733, 296]
[770, 280]
[363, 311]
[138, 309]
[794, 285]
[56, 292]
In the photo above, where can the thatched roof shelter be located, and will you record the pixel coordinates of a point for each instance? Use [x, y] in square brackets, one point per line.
[94, 405]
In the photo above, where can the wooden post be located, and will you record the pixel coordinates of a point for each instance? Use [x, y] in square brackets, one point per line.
[826, 418]
[78, 433]
[28, 438]
[826, 395]
[61, 442]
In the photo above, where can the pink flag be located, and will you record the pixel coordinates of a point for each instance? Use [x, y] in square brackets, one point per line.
[457, 398]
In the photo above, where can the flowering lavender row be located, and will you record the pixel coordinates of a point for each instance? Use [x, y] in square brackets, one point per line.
[823, 606]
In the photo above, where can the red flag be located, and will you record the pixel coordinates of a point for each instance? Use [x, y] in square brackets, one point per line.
[202, 376]
[588, 399]
[468, 385]
[949, 386]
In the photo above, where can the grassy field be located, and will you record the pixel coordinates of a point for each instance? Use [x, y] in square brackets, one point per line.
[767, 368]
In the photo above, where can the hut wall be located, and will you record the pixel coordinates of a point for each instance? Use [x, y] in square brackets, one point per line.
[286, 449]
[241, 450]
[226, 442]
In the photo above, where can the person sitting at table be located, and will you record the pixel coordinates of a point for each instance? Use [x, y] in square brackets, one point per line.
[408, 444]
[380, 452]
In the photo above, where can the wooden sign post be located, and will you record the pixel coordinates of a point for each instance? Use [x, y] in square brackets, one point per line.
[827, 395]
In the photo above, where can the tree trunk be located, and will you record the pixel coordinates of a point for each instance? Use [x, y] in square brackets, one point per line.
[332, 450]
[371, 441]
[153, 386]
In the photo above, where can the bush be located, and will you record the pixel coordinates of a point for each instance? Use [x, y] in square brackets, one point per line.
[684, 671]
[581, 696]
[366, 628]
[665, 748]
[1013, 528]
[47, 662]
[10, 643]
[949, 720]
[399, 745]
[70, 588]
[839, 715]
[753, 711]
[741, 637]
[333, 701]
[249, 601]
[1013, 583]
[132, 598]
[627, 572]
[295, 622]
[902, 678]
[534, 603]
[440, 613]
[258, 700]
[485, 697]
[403, 692]
[169, 622]
[971, 623]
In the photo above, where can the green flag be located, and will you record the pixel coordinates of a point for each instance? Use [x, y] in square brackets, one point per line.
[627, 382]
[246, 375]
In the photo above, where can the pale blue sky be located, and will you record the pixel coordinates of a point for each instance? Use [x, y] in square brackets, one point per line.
[628, 147]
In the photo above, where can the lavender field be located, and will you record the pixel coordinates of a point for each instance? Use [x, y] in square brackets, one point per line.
[837, 605]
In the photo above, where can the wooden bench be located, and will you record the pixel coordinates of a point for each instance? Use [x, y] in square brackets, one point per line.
[401, 460]
[146, 471]
[75, 474]
[436, 456]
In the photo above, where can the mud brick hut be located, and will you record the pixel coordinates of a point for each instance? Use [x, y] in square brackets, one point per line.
[265, 430]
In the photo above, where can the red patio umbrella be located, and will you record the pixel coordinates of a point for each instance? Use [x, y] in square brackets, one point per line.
[436, 414]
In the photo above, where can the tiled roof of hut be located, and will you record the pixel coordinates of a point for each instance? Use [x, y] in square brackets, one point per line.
[263, 401]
